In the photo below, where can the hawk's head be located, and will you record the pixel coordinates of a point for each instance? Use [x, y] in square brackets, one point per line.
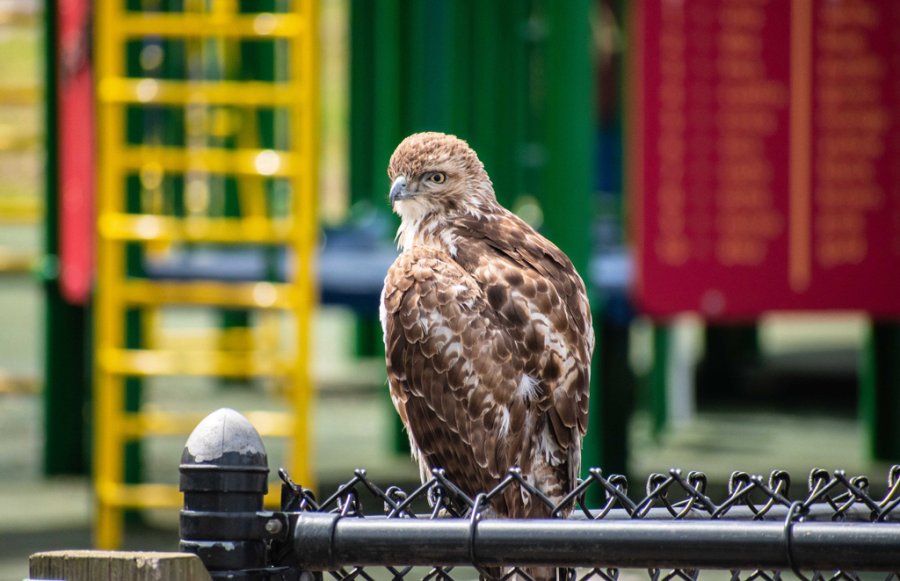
[436, 173]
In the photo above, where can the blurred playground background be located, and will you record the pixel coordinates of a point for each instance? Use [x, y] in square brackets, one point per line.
[193, 215]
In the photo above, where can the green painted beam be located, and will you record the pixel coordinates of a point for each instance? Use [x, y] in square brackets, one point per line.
[66, 355]
[257, 63]
[136, 122]
[614, 403]
[500, 99]
[389, 90]
[362, 105]
[568, 128]
[880, 390]
[612, 355]
[657, 393]
[483, 89]
[729, 350]
[367, 184]
[429, 65]
[568, 143]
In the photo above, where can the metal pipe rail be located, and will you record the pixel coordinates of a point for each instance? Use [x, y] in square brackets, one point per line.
[329, 541]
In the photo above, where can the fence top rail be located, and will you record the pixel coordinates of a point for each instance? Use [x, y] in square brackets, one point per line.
[833, 523]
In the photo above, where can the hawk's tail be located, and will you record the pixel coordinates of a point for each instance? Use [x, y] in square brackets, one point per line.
[535, 573]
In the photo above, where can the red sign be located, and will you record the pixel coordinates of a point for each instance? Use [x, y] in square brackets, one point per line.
[766, 156]
[75, 141]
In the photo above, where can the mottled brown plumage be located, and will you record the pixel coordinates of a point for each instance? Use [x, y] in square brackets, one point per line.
[487, 330]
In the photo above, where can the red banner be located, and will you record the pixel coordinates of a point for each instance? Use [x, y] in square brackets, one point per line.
[75, 140]
[766, 156]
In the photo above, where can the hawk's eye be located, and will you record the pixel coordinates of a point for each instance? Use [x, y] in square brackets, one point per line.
[438, 177]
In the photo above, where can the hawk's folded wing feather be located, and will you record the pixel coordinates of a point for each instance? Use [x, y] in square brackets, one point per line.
[446, 362]
[479, 372]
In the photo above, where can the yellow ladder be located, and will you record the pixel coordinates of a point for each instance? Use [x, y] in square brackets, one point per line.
[163, 222]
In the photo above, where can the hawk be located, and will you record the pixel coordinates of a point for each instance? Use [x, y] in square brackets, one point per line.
[487, 332]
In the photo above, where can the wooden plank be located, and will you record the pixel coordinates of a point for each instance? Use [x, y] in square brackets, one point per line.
[120, 565]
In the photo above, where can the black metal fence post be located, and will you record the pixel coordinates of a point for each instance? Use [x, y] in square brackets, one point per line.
[224, 471]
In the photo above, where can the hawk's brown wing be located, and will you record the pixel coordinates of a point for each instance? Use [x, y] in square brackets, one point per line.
[539, 281]
[452, 371]
[486, 364]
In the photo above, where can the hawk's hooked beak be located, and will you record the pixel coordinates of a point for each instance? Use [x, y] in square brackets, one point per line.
[398, 190]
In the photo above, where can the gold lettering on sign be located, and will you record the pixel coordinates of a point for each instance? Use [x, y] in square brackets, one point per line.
[749, 104]
[672, 246]
[851, 126]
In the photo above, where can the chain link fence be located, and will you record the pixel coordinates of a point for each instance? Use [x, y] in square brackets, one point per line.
[832, 526]
[674, 530]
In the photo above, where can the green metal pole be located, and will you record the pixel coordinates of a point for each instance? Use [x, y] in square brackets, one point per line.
[432, 67]
[880, 390]
[389, 90]
[729, 349]
[257, 63]
[387, 32]
[66, 355]
[483, 86]
[617, 378]
[362, 119]
[136, 121]
[568, 115]
[362, 105]
[568, 130]
[657, 394]
[460, 18]
[141, 122]
[613, 404]
[502, 115]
